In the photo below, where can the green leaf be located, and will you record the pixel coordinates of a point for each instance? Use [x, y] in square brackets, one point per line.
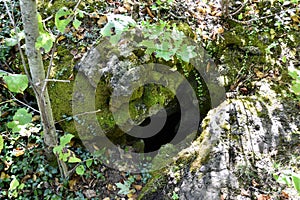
[11, 41]
[76, 23]
[45, 41]
[296, 182]
[296, 88]
[57, 149]
[66, 139]
[80, 170]
[74, 160]
[60, 22]
[124, 188]
[240, 17]
[1, 143]
[13, 184]
[293, 74]
[117, 22]
[22, 116]
[16, 82]
[166, 55]
[80, 13]
[89, 162]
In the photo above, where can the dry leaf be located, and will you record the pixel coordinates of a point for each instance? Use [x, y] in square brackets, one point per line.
[254, 183]
[285, 195]
[138, 187]
[60, 38]
[19, 152]
[102, 21]
[263, 197]
[72, 183]
[220, 30]
[4, 176]
[127, 6]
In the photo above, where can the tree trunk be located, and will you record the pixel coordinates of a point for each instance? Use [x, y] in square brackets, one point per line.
[30, 24]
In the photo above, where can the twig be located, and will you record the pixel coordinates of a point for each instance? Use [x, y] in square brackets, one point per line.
[260, 18]
[80, 114]
[28, 106]
[57, 80]
[238, 10]
[71, 17]
[19, 45]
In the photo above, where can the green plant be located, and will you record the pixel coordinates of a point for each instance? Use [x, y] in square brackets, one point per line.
[63, 152]
[125, 187]
[295, 83]
[288, 177]
[168, 42]
[175, 196]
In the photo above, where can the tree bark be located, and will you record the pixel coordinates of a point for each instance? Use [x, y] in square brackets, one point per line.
[30, 24]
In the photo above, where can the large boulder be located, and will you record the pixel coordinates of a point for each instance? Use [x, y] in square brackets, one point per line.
[234, 157]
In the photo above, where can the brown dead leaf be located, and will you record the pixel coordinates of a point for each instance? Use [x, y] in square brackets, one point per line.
[149, 12]
[25, 178]
[258, 73]
[220, 30]
[254, 183]
[102, 21]
[4, 176]
[127, 6]
[18, 152]
[72, 183]
[245, 193]
[285, 195]
[138, 177]
[60, 38]
[137, 187]
[263, 197]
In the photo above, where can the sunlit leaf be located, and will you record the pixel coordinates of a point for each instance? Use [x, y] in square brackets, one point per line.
[74, 160]
[22, 116]
[296, 182]
[60, 22]
[66, 139]
[45, 41]
[76, 23]
[80, 170]
[13, 184]
[1, 143]
[16, 82]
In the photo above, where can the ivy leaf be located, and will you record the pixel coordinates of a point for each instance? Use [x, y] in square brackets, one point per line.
[89, 162]
[124, 188]
[60, 22]
[16, 82]
[186, 53]
[14, 126]
[166, 55]
[80, 170]
[22, 116]
[76, 23]
[13, 184]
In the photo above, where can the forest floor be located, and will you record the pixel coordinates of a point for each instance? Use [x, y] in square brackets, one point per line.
[22, 156]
